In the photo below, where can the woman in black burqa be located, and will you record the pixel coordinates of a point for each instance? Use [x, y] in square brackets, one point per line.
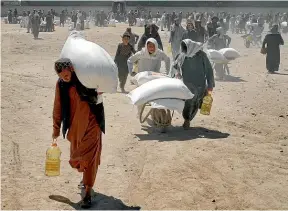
[271, 43]
[151, 31]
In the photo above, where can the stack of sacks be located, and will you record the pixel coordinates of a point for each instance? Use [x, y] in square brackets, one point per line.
[93, 66]
[216, 57]
[164, 93]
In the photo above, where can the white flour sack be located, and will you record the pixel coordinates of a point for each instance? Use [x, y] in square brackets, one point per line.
[230, 53]
[171, 104]
[161, 88]
[93, 66]
[143, 77]
[284, 24]
[216, 56]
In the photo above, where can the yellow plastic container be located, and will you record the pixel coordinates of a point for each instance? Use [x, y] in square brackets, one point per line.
[135, 67]
[207, 104]
[52, 167]
[169, 50]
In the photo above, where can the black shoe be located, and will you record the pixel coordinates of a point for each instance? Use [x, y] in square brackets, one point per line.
[86, 203]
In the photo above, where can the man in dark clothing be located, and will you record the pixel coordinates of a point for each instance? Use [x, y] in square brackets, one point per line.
[168, 21]
[151, 31]
[49, 22]
[36, 24]
[201, 32]
[190, 32]
[272, 42]
[180, 16]
[62, 18]
[53, 13]
[74, 18]
[173, 16]
[212, 26]
[10, 17]
[102, 18]
[15, 13]
[82, 18]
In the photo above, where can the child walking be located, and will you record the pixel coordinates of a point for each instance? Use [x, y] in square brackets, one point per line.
[124, 51]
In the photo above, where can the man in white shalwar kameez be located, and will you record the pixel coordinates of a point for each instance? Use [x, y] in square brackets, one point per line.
[176, 35]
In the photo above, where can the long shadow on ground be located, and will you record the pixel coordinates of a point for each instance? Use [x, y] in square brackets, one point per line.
[178, 134]
[276, 73]
[99, 202]
[230, 78]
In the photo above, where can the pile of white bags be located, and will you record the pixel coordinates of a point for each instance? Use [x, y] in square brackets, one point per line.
[86, 24]
[146, 76]
[230, 53]
[140, 22]
[162, 88]
[112, 23]
[216, 56]
[284, 24]
[93, 66]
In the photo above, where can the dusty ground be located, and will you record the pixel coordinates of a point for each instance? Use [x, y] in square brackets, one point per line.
[234, 159]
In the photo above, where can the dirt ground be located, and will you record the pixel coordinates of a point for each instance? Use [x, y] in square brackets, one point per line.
[237, 158]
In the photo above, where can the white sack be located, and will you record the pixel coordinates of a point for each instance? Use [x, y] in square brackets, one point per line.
[171, 104]
[93, 66]
[216, 56]
[70, 27]
[230, 53]
[57, 22]
[284, 24]
[87, 24]
[43, 23]
[143, 77]
[161, 88]
[112, 23]
[139, 22]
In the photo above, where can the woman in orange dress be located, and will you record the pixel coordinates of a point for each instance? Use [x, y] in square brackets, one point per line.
[81, 114]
